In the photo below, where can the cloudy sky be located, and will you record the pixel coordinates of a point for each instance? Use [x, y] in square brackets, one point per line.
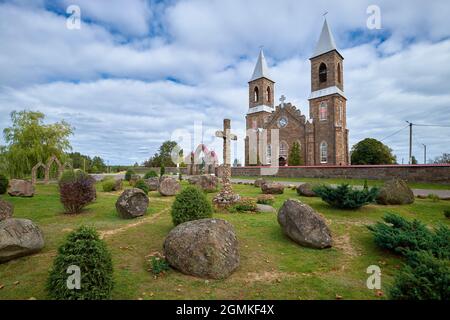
[140, 72]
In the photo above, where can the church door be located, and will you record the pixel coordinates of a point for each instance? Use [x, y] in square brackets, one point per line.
[282, 161]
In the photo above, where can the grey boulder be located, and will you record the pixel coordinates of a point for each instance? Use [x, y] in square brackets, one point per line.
[132, 203]
[152, 183]
[395, 192]
[18, 238]
[272, 188]
[20, 188]
[304, 225]
[169, 187]
[6, 210]
[205, 248]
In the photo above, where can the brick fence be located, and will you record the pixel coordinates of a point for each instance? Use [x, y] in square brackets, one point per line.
[412, 173]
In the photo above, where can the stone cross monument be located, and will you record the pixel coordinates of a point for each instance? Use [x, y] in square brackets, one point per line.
[226, 196]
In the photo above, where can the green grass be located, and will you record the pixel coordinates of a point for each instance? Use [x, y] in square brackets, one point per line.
[272, 266]
[414, 185]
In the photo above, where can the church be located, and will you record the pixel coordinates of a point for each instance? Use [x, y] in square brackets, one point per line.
[323, 136]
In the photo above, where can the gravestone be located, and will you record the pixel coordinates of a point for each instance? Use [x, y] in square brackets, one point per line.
[226, 197]
[18, 238]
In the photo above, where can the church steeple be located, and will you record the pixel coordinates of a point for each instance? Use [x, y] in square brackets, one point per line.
[326, 41]
[261, 68]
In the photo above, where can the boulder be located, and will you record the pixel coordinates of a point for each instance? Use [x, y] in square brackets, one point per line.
[259, 182]
[265, 208]
[132, 203]
[118, 185]
[205, 182]
[6, 210]
[20, 188]
[205, 248]
[169, 187]
[18, 238]
[134, 178]
[152, 183]
[272, 188]
[304, 225]
[395, 191]
[306, 190]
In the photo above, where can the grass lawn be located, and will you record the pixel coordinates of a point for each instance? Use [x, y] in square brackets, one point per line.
[414, 185]
[272, 266]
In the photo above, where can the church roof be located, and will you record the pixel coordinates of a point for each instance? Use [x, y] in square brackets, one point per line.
[261, 68]
[326, 41]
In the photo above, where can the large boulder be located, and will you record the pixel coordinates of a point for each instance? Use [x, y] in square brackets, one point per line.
[259, 182]
[152, 183]
[304, 225]
[272, 188]
[132, 203]
[118, 185]
[169, 187]
[205, 182]
[205, 248]
[6, 210]
[265, 208]
[395, 191]
[306, 190]
[133, 179]
[20, 188]
[18, 238]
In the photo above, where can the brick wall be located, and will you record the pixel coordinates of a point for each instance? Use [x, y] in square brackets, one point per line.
[412, 173]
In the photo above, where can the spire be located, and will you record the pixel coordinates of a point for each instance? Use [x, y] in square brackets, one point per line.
[261, 69]
[326, 41]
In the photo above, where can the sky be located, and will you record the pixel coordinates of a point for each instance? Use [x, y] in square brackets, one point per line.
[137, 73]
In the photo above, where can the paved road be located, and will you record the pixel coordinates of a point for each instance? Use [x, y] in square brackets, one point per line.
[443, 194]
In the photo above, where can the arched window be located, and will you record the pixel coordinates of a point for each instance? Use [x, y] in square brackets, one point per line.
[323, 152]
[339, 113]
[283, 149]
[269, 154]
[339, 79]
[323, 111]
[256, 94]
[268, 95]
[323, 72]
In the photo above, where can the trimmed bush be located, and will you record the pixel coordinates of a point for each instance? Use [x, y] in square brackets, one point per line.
[244, 204]
[266, 199]
[84, 249]
[190, 204]
[425, 277]
[108, 185]
[140, 184]
[76, 190]
[128, 174]
[401, 236]
[3, 184]
[345, 197]
[447, 213]
[150, 174]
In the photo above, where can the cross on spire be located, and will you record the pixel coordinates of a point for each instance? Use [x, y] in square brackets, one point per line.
[282, 99]
[325, 14]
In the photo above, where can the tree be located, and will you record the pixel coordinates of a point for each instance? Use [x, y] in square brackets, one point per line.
[445, 158]
[372, 151]
[295, 158]
[99, 164]
[413, 160]
[29, 141]
[163, 156]
[84, 162]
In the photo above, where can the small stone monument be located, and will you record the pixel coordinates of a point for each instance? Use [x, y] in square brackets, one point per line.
[226, 196]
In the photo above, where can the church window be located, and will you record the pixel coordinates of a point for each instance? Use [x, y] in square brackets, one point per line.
[339, 111]
[323, 152]
[339, 78]
[283, 149]
[323, 111]
[323, 72]
[268, 95]
[256, 94]
[269, 154]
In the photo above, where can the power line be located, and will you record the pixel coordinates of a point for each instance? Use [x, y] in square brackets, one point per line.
[432, 125]
[393, 134]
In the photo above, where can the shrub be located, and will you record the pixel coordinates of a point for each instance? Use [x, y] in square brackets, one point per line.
[108, 185]
[402, 236]
[159, 265]
[433, 197]
[3, 184]
[345, 197]
[140, 184]
[266, 199]
[76, 190]
[190, 204]
[150, 174]
[106, 178]
[162, 170]
[84, 249]
[425, 277]
[244, 204]
[128, 174]
[447, 213]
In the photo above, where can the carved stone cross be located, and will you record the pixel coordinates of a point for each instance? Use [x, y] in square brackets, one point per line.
[227, 137]
[282, 99]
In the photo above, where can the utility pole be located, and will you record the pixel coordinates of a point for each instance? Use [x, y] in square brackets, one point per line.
[424, 153]
[410, 141]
